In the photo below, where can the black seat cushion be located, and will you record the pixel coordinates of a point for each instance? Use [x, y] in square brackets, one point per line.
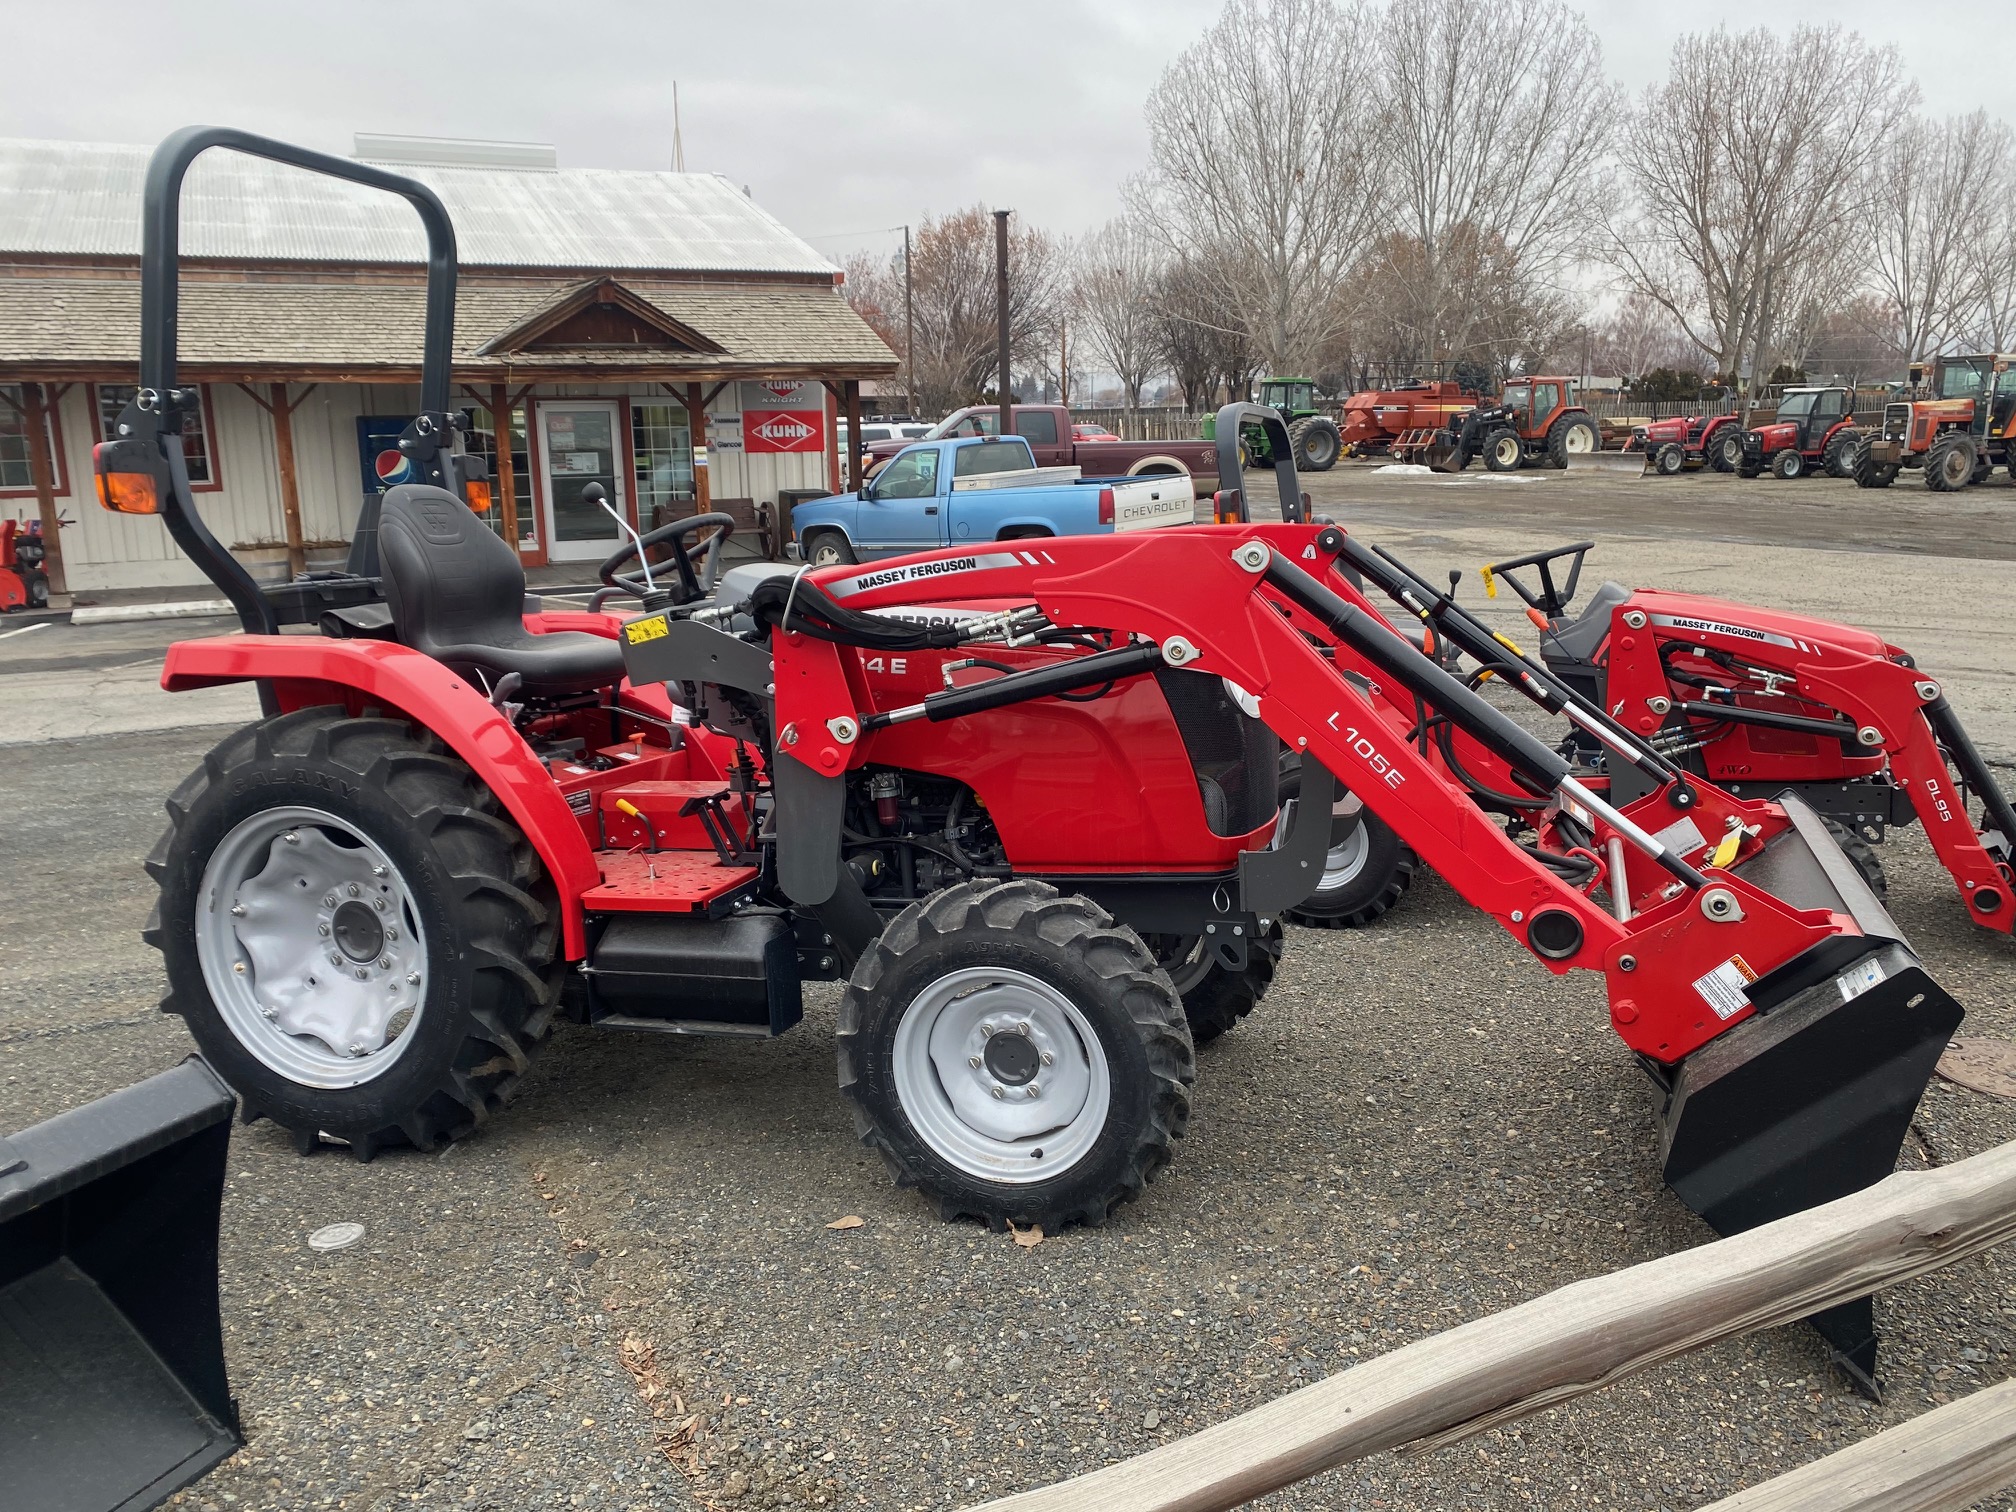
[458, 593]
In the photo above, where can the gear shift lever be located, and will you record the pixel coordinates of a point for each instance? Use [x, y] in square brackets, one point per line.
[595, 493]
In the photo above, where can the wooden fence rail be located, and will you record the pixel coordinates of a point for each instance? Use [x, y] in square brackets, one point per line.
[1567, 1343]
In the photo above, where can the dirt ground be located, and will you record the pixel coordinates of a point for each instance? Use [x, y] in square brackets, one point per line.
[1419, 1126]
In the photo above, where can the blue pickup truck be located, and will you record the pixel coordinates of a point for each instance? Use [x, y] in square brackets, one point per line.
[947, 493]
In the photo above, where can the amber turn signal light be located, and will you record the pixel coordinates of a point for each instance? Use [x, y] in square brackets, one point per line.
[479, 496]
[129, 480]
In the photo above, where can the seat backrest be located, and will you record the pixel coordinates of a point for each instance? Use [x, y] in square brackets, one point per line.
[449, 578]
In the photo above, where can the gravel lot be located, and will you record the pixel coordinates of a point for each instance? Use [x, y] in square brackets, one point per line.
[1419, 1127]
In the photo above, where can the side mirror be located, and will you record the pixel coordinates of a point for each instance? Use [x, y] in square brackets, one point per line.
[866, 492]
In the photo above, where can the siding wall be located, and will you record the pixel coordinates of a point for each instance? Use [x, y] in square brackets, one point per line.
[107, 551]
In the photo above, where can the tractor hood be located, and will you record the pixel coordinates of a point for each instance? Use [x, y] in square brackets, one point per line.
[1713, 616]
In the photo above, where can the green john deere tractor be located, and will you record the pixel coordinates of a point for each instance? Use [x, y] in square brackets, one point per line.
[1312, 435]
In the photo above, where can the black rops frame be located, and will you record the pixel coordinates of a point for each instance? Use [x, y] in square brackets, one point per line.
[1230, 421]
[431, 440]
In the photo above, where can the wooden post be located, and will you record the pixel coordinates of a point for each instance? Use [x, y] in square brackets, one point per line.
[290, 490]
[1944, 1461]
[507, 478]
[42, 472]
[1567, 1343]
[696, 420]
[853, 433]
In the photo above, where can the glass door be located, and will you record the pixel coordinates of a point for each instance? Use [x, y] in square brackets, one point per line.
[578, 446]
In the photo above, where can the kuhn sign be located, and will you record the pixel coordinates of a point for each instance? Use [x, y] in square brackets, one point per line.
[783, 431]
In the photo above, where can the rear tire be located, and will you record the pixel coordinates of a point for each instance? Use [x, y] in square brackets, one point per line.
[914, 1018]
[1215, 1000]
[1725, 450]
[1574, 434]
[1503, 450]
[470, 913]
[1867, 471]
[1839, 457]
[829, 548]
[1787, 464]
[1862, 853]
[1949, 463]
[1315, 443]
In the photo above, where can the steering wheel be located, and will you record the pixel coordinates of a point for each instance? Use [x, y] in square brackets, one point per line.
[706, 554]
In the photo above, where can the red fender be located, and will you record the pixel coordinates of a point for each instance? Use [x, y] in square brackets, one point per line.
[309, 670]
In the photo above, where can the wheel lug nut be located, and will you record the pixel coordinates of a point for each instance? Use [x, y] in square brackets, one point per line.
[1034, 1090]
[973, 1061]
[239, 967]
[377, 871]
[385, 963]
[1048, 1058]
[268, 1013]
[291, 838]
[329, 900]
[322, 929]
[237, 910]
[379, 904]
[355, 889]
[412, 979]
[357, 1047]
[335, 959]
[391, 932]
[363, 975]
[998, 1092]
[1022, 1029]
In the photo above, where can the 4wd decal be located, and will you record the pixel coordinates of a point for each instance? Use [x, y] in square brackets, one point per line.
[916, 572]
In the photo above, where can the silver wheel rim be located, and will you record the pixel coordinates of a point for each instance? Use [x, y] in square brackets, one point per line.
[292, 902]
[949, 1078]
[1578, 440]
[1346, 859]
[825, 554]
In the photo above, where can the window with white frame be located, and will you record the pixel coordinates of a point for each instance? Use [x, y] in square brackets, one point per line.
[196, 440]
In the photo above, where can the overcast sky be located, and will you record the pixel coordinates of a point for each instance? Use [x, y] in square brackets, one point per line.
[843, 119]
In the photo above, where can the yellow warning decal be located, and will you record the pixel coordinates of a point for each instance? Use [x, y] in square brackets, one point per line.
[1490, 581]
[639, 631]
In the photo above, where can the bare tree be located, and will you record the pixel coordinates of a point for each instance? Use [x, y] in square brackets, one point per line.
[1749, 169]
[1638, 337]
[1260, 154]
[1116, 275]
[1204, 348]
[1940, 192]
[1486, 160]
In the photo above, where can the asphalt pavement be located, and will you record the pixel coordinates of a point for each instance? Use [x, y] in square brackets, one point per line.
[624, 1292]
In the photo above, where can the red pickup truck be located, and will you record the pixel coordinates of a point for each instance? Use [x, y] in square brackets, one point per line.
[1047, 429]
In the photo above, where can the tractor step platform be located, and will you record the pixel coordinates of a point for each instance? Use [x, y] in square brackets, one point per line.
[665, 881]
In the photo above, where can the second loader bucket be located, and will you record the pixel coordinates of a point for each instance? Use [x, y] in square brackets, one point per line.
[1809, 1099]
[112, 1386]
[1443, 454]
[1625, 463]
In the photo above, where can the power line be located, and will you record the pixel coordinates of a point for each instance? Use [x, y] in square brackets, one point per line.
[844, 235]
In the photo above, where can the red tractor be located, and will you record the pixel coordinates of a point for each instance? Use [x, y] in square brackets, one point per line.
[457, 819]
[1674, 445]
[23, 582]
[1536, 420]
[1812, 429]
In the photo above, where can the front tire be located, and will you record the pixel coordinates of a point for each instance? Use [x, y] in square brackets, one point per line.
[408, 1023]
[1214, 999]
[1503, 450]
[1787, 464]
[1839, 458]
[1867, 471]
[983, 991]
[1725, 451]
[1315, 442]
[1669, 459]
[829, 548]
[1949, 463]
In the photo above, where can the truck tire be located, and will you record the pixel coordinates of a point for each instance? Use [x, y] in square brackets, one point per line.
[829, 548]
[1503, 450]
[1315, 443]
[1574, 433]
[1839, 457]
[932, 1054]
[1867, 471]
[1214, 1000]
[1786, 463]
[1949, 463]
[1724, 450]
[360, 941]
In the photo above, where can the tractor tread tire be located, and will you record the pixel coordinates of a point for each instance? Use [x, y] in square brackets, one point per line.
[1376, 894]
[1936, 470]
[1669, 460]
[1217, 1004]
[1838, 460]
[1299, 432]
[1034, 924]
[503, 955]
[1557, 436]
[1786, 464]
[1866, 471]
[1720, 454]
[1493, 441]
[1861, 853]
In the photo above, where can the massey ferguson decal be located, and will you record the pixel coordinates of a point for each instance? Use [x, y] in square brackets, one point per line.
[783, 431]
[861, 582]
[1736, 632]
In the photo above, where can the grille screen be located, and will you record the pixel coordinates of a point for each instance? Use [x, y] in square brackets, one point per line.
[1237, 759]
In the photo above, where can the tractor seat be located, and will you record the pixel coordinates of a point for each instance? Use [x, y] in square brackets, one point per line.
[1577, 640]
[457, 593]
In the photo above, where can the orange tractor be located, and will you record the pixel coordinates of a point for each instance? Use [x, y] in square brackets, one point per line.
[1535, 421]
[1959, 434]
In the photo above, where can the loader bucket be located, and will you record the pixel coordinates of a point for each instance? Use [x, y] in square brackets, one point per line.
[112, 1386]
[1625, 463]
[1443, 456]
[1809, 1099]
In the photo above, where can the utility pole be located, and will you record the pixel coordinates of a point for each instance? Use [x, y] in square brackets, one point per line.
[1064, 362]
[678, 139]
[1001, 315]
[909, 331]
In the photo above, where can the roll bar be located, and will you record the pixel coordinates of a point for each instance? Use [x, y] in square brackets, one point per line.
[433, 439]
[1230, 420]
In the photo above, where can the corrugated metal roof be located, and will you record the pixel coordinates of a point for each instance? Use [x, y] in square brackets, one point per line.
[83, 198]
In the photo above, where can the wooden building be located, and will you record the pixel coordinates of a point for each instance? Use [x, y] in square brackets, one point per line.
[614, 316]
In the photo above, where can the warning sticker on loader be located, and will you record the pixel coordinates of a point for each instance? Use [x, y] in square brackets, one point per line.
[1723, 988]
[639, 631]
[1683, 836]
[1859, 978]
